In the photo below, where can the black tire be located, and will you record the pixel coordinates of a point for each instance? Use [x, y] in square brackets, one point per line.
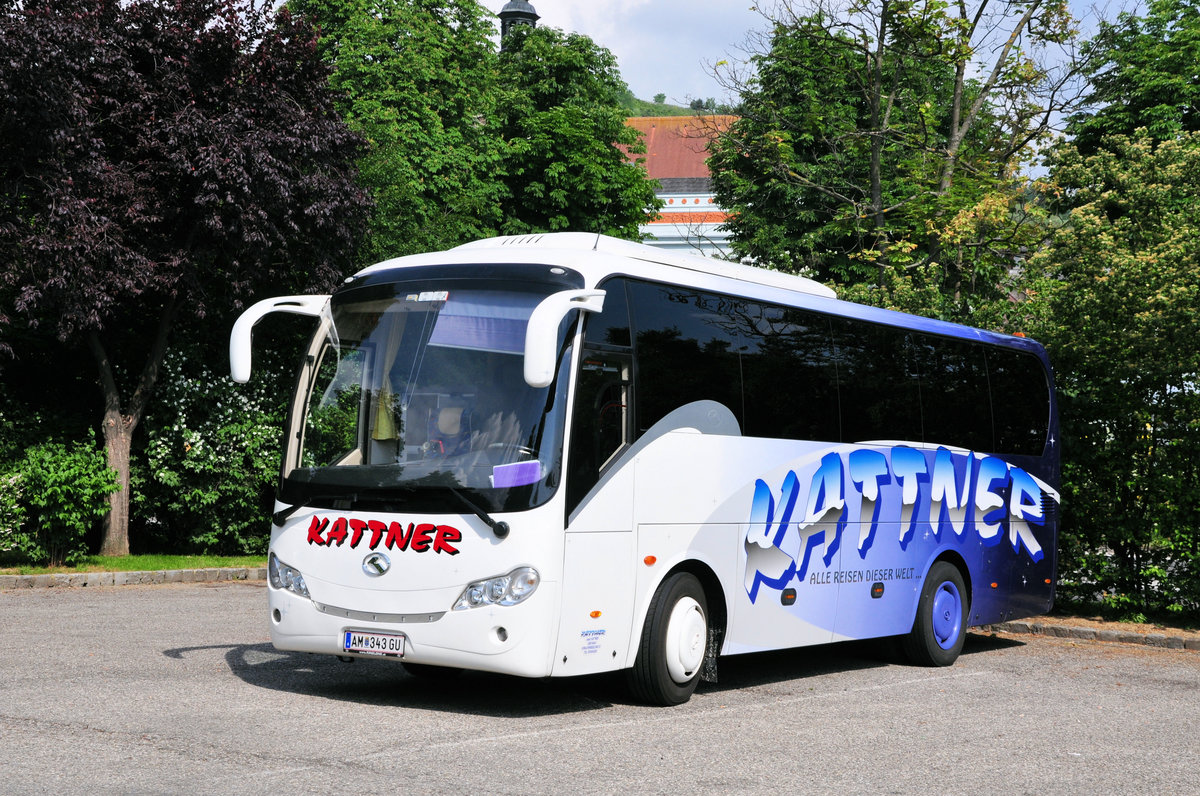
[940, 628]
[674, 640]
[431, 673]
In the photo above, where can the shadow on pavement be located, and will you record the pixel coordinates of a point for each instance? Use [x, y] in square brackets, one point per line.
[387, 683]
[981, 642]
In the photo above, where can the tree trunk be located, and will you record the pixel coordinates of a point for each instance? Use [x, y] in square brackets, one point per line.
[962, 125]
[118, 436]
[875, 102]
[119, 426]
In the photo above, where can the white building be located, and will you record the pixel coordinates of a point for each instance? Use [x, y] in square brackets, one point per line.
[676, 154]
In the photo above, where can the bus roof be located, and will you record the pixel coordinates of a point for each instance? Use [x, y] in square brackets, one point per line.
[577, 249]
[598, 256]
[603, 244]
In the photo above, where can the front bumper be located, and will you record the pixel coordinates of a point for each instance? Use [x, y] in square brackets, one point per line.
[514, 639]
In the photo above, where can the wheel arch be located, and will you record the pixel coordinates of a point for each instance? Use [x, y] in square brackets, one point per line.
[718, 610]
[714, 594]
[937, 636]
[666, 668]
[955, 559]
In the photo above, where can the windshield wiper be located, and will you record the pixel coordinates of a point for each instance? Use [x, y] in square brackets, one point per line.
[280, 517]
[499, 527]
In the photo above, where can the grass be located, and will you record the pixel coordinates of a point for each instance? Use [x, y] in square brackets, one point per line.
[143, 563]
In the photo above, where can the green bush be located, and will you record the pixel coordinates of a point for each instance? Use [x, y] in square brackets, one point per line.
[62, 490]
[12, 513]
[205, 479]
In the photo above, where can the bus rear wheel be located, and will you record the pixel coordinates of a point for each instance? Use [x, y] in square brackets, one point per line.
[673, 643]
[940, 628]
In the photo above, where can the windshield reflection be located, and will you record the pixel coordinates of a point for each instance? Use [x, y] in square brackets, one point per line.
[417, 386]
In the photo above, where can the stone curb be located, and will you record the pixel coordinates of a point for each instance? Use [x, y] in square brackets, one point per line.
[1092, 634]
[81, 579]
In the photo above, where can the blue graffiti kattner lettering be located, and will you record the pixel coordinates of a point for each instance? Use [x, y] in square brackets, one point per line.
[900, 493]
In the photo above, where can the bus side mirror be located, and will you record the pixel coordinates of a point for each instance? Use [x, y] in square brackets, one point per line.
[239, 338]
[541, 335]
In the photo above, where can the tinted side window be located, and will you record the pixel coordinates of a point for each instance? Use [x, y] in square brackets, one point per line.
[789, 375]
[1021, 397]
[610, 326]
[600, 417]
[877, 382]
[955, 406]
[687, 350]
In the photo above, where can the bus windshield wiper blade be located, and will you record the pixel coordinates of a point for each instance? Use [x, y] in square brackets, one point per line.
[499, 527]
[281, 516]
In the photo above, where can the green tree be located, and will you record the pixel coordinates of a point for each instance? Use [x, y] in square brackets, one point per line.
[1118, 305]
[567, 148]
[1142, 73]
[417, 79]
[466, 142]
[878, 147]
[161, 159]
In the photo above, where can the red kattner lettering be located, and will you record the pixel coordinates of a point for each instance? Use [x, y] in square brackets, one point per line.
[394, 536]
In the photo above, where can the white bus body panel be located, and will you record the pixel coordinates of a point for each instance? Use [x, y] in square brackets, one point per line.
[689, 494]
[416, 595]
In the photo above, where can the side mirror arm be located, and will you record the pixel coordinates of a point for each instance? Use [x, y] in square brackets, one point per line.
[240, 337]
[541, 334]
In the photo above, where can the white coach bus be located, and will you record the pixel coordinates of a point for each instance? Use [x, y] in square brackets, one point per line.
[565, 454]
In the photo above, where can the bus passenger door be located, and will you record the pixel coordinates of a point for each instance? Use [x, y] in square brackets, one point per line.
[598, 583]
[600, 423]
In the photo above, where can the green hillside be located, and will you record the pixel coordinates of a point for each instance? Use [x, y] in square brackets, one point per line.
[640, 107]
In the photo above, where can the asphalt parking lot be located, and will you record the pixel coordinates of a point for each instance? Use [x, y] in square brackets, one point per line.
[176, 689]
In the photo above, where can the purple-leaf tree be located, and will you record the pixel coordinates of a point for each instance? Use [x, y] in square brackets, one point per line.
[160, 158]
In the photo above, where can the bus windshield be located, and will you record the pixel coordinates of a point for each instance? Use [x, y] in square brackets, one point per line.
[417, 386]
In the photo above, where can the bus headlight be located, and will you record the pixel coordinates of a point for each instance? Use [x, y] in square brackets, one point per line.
[508, 589]
[285, 577]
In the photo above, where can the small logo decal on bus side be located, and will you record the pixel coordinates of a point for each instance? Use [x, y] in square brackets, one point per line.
[418, 538]
[592, 640]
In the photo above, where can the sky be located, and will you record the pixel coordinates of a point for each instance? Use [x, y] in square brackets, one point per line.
[670, 46]
[662, 46]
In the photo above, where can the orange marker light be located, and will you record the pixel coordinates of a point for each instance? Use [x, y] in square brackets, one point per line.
[649, 560]
[594, 614]
[995, 585]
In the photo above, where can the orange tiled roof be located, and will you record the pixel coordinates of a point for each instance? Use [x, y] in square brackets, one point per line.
[676, 146]
[699, 217]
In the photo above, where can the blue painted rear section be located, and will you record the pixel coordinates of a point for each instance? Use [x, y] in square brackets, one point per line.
[856, 517]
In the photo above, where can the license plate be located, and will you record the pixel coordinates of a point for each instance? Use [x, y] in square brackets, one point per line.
[373, 643]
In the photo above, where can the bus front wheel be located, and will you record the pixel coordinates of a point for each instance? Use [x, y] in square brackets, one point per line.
[940, 628]
[673, 643]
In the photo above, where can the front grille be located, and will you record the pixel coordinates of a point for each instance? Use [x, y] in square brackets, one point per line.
[371, 616]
